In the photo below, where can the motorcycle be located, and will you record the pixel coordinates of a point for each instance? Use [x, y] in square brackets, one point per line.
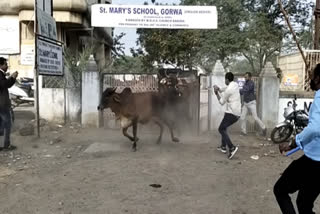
[295, 121]
[22, 92]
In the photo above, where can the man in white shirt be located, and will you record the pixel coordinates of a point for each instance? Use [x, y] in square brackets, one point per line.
[230, 97]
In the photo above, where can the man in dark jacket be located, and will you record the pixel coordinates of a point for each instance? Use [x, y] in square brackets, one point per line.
[249, 104]
[5, 103]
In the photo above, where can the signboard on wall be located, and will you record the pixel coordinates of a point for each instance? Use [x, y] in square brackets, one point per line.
[50, 60]
[241, 81]
[47, 25]
[27, 55]
[9, 35]
[154, 16]
[45, 5]
[291, 80]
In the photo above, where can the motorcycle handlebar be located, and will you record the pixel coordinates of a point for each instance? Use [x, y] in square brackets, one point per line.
[294, 105]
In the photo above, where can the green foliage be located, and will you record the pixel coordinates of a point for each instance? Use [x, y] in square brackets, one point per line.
[128, 64]
[118, 47]
[76, 62]
[266, 31]
[254, 29]
[122, 63]
[176, 47]
[187, 48]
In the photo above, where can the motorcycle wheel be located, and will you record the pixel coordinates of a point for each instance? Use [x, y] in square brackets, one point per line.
[281, 134]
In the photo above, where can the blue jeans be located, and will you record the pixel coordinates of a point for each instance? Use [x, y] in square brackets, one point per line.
[227, 121]
[5, 125]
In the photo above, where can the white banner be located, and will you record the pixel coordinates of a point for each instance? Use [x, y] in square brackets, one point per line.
[50, 61]
[145, 16]
[27, 55]
[9, 35]
[46, 25]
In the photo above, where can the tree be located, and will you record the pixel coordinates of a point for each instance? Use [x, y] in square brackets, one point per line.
[118, 47]
[226, 41]
[122, 63]
[175, 47]
[187, 48]
[128, 64]
[266, 31]
[251, 28]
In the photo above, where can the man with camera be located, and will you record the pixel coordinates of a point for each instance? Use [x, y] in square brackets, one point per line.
[5, 103]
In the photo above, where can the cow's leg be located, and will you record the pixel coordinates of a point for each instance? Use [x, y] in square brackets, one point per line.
[159, 123]
[125, 133]
[170, 126]
[134, 131]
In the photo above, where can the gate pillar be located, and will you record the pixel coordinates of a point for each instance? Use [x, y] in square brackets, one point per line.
[269, 96]
[215, 110]
[91, 93]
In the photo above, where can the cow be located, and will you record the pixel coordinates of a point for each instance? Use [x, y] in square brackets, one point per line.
[177, 92]
[133, 108]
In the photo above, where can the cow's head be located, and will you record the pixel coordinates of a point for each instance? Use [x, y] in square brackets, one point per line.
[169, 85]
[107, 97]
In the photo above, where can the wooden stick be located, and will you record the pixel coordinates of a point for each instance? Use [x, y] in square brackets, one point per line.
[293, 34]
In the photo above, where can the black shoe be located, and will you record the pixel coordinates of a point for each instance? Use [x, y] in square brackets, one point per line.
[232, 151]
[222, 149]
[264, 132]
[10, 148]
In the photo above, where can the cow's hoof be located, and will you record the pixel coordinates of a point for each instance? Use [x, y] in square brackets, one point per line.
[175, 139]
[132, 139]
[159, 140]
[134, 149]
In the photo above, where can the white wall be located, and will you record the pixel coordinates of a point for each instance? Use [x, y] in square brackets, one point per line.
[51, 104]
[301, 103]
[73, 105]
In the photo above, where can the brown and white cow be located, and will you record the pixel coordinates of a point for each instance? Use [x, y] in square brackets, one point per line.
[133, 108]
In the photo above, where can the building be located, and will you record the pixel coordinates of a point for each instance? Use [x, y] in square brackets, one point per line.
[295, 76]
[73, 18]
